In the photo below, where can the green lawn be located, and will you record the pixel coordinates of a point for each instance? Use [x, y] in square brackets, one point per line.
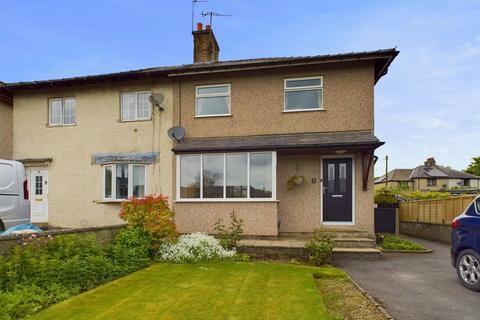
[229, 290]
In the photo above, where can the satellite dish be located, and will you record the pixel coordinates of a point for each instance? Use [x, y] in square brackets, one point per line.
[156, 99]
[176, 133]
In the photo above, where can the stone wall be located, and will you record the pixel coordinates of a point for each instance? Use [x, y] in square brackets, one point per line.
[103, 234]
[429, 231]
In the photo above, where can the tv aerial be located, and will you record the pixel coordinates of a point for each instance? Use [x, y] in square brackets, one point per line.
[193, 9]
[212, 14]
[176, 133]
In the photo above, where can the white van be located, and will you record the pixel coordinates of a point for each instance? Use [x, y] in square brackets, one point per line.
[14, 203]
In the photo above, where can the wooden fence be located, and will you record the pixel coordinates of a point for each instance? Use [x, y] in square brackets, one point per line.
[434, 211]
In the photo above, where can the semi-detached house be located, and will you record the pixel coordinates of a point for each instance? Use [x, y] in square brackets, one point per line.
[286, 143]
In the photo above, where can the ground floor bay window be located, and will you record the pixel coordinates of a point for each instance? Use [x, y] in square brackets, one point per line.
[246, 176]
[122, 181]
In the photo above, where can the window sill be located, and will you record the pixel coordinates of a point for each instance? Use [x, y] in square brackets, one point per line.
[136, 120]
[223, 200]
[111, 201]
[215, 116]
[303, 110]
[60, 125]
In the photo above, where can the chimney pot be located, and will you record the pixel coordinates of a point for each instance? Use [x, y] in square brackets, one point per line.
[208, 27]
[430, 161]
[199, 26]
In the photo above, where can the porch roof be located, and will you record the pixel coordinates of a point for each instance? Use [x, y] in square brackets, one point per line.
[282, 142]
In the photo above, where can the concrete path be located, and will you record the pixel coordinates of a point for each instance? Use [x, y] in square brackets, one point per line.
[417, 286]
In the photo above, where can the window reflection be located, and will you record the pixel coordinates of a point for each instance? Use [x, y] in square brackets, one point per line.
[190, 176]
[122, 181]
[331, 178]
[261, 175]
[213, 176]
[343, 177]
[237, 175]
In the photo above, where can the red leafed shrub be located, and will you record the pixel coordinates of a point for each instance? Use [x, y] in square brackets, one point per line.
[153, 215]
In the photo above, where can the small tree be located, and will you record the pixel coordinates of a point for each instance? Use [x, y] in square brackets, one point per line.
[474, 166]
[320, 247]
[229, 236]
[152, 215]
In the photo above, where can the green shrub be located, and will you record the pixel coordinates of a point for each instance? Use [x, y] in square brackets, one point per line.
[229, 236]
[320, 247]
[396, 195]
[35, 276]
[392, 242]
[131, 250]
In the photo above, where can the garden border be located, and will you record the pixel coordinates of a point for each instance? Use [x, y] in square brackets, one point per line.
[372, 300]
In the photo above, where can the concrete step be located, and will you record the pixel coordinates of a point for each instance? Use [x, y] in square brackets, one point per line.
[356, 254]
[337, 232]
[354, 243]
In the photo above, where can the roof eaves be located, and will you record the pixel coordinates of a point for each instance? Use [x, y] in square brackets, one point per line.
[223, 66]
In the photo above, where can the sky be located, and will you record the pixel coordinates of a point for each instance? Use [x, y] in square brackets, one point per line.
[427, 105]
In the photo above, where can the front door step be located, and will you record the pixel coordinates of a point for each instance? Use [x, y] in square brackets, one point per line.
[354, 243]
[345, 248]
[356, 254]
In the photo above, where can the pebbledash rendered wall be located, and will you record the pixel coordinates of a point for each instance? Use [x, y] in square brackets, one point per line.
[75, 183]
[257, 109]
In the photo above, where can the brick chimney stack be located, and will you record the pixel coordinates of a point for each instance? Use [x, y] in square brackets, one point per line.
[205, 46]
[430, 161]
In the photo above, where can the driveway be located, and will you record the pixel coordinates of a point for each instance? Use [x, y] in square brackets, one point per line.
[417, 286]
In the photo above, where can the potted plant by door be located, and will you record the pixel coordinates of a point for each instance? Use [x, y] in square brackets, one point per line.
[295, 181]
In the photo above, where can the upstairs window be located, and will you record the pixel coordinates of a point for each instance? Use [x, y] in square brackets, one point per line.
[122, 181]
[212, 100]
[303, 94]
[61, 112]
[135, 106]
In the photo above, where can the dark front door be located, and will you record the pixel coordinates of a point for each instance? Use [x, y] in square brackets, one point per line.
[337, 190]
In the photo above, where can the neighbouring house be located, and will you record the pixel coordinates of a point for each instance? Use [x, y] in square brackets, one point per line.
[430, 177]
[6, 125]
[395, 178]
[286, 143]
[89, 143]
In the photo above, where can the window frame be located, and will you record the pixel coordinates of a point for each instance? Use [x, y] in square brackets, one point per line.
[304, 88]
[433, 180]
[136, 106]
[210, 95]
[224, 198]
[114, 180]
[62, 123]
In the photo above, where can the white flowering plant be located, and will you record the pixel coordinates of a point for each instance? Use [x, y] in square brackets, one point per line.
[194, 247]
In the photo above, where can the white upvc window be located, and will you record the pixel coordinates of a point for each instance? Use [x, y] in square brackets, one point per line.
[122, 181]
[303, 94]
[61, 112]
[135, 106]
[212, 100]
[227, 176]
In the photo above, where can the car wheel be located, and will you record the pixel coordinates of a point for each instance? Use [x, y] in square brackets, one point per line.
[2, 226]
[468, 269]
